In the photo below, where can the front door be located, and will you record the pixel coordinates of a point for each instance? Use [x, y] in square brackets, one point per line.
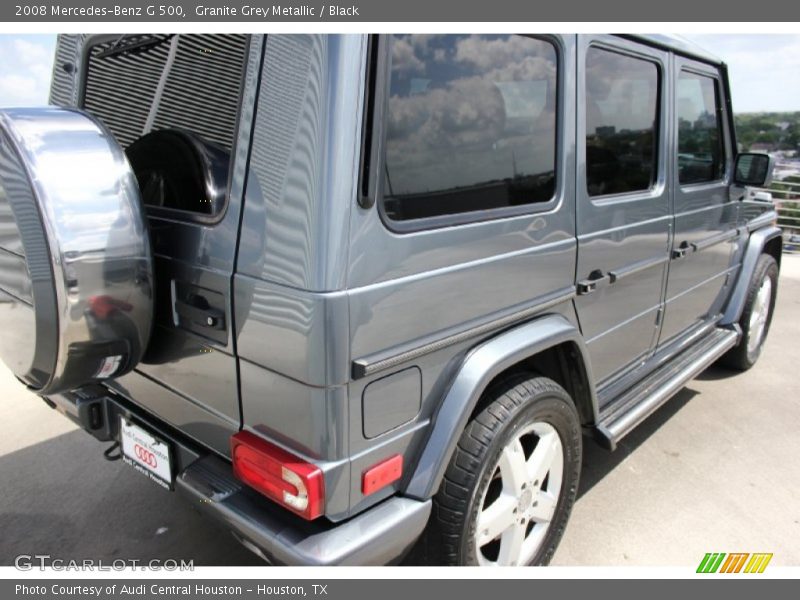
[623, 213]
[705, 216]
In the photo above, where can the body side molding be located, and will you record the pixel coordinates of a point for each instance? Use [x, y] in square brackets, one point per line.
[479, 368]
[370, 365]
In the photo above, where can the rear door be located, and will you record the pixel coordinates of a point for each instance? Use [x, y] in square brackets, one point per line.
[705, 216]
[203, 85]
[623, 215]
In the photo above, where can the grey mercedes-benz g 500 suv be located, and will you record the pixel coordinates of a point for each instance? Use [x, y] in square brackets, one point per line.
[355, 295]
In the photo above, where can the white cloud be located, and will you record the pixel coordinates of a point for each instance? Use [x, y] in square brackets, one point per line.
[26, 69]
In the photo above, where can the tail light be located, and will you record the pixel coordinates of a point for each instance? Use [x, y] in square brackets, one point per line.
[291, 482]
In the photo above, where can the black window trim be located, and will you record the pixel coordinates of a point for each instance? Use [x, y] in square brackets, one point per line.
[176, 214]
[711, 72]
[370, 185]
[662, 68]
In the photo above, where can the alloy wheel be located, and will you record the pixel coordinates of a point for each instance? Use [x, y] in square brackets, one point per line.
[759, 315]
[521, 498]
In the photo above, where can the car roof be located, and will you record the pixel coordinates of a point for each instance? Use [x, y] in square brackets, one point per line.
[678, 44]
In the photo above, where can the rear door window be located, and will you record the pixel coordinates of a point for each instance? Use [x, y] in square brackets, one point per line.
[622, 100]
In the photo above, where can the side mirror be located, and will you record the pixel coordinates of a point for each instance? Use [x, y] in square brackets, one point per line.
[753, 169]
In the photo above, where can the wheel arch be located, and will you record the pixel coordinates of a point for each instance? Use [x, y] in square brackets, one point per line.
[550, 343]
[763, 241]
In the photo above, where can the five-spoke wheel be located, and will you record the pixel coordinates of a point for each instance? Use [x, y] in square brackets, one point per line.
[521, 498]
[512, 480]
[756, 315]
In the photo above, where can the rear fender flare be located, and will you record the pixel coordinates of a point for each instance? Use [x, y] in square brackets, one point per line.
[479, 368]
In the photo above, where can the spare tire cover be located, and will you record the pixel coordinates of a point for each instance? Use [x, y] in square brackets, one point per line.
[76, 270]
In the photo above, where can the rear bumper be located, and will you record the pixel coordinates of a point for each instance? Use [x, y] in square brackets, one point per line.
[379, 535]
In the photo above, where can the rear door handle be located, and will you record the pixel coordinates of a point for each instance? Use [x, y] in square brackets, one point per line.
[204, 317]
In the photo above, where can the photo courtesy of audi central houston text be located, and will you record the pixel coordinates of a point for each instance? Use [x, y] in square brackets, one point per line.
[367, 299]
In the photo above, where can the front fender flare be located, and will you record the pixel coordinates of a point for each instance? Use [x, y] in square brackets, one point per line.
[479, 368]
[755, 247]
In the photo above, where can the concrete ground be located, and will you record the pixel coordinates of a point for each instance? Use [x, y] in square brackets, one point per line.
[716, 469]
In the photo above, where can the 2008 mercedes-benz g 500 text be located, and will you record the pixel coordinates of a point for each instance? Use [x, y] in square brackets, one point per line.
[355, 295]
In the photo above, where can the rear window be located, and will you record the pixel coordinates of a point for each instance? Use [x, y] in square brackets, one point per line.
[471, 124]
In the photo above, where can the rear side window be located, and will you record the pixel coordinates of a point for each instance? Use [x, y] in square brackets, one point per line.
[471, 124]
[622, 99]
[700, 146]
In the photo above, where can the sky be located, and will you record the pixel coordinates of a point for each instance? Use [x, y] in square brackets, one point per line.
[764, 69]
[25, 69]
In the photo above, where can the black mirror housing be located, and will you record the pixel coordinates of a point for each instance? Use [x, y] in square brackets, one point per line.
[753, 169]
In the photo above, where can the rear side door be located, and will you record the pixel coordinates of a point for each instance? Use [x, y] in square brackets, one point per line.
[623, 215]
[705, 217]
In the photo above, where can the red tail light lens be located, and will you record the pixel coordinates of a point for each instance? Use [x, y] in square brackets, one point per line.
[279, 475]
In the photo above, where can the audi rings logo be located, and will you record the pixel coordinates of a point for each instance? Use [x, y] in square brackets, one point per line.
[144, 455]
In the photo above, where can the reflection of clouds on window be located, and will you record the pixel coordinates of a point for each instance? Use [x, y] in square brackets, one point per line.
[690, 99]
[404, 59]
[467, 110]
[494, 53]
[523, 99]
[418, 86]
[622, 89]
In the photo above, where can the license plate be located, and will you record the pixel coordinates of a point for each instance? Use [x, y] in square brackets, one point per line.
[146, 453]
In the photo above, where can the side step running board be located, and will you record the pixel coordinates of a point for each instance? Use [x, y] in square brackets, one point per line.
[619, 417]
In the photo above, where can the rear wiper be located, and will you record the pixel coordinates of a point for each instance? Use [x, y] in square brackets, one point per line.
[134, 44]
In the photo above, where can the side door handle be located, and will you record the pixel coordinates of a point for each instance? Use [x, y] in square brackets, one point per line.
[681, 251]
[204, 317]
[595, 281]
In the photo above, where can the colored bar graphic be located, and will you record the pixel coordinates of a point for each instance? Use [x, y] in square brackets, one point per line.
[734, 560]
[710, 562]
[713, 562]
[718, 562]
[758, 562]
[740, 564]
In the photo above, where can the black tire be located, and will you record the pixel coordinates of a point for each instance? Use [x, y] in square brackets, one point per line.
[742, 357]
[510, 407]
